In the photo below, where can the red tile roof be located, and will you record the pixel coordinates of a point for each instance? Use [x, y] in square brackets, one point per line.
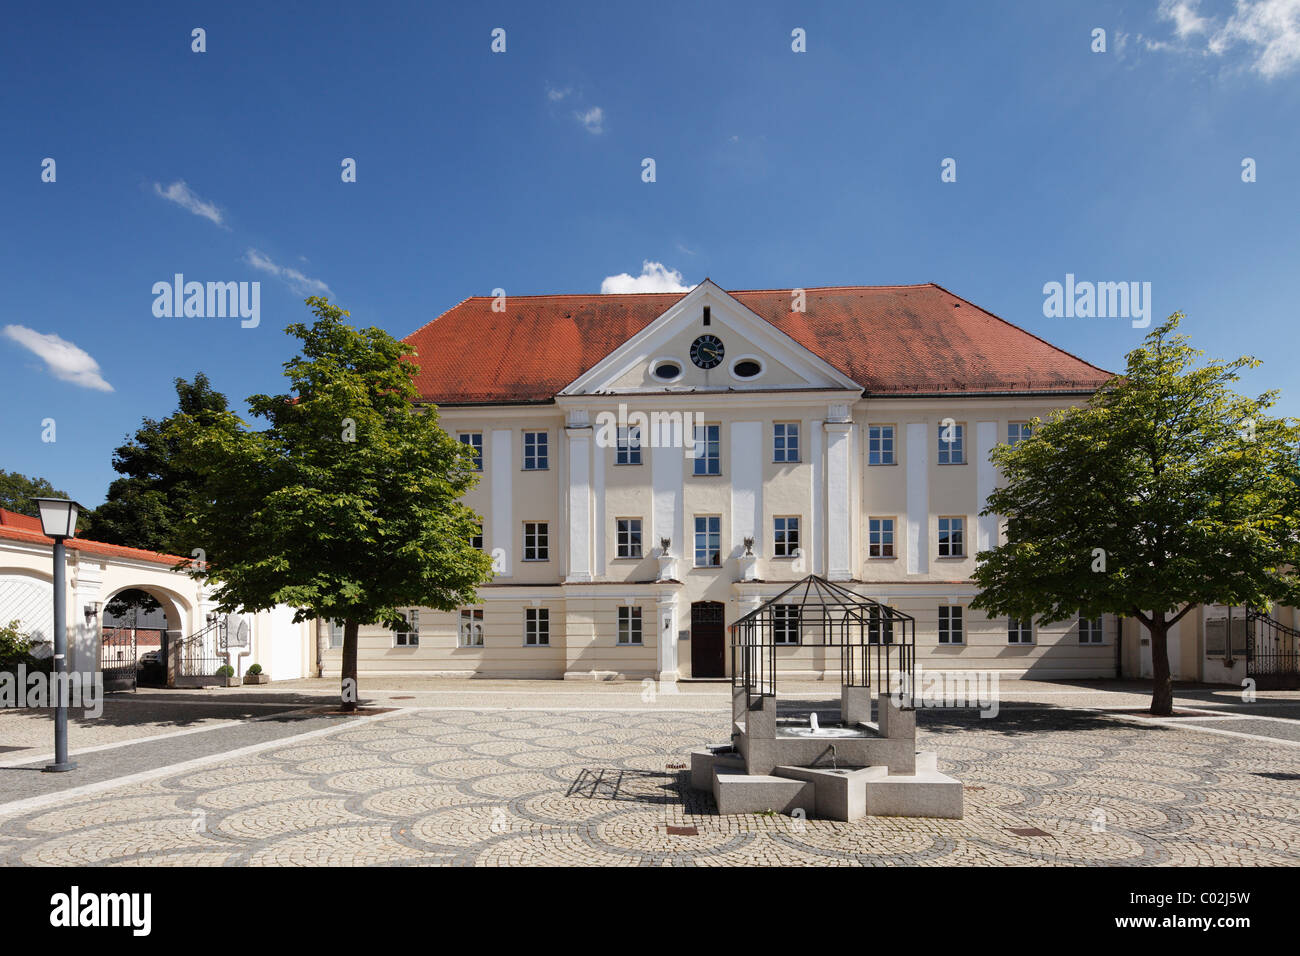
[19, 527]
[892, 340]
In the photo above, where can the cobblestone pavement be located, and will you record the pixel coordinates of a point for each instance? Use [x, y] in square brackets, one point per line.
[523, 787]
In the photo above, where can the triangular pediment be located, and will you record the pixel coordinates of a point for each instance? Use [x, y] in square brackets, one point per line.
[736, 351]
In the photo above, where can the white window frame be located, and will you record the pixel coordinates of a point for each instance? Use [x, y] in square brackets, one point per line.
[707, 451]
[874, 533]
[1020, 633]
[538, 458]
[953, 451]
[786, 629]
[541, 537]
[959, 530]
[708, 534]
[623, 549]
[952, 615]
[469, 633]
[782, 547]
[627, 449]
[876, 434]
[1095, 631]
[477, 446]
[630, 632]
[784, 436]
[1018, 432]
[537, 627]
[411, 636]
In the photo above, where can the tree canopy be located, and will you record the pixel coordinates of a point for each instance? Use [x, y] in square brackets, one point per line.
[347, 506]
[146, 507]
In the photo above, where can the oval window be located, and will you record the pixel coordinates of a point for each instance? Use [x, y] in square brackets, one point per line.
[667, 370]
[747, 368]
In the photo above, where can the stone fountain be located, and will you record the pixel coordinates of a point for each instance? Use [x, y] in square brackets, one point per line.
[865, 762]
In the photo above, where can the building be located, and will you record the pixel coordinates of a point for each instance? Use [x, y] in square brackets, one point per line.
[190, 640]
[846, 431]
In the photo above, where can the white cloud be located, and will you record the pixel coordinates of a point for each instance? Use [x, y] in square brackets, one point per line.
[654, 277]
[181, 194]
[1184, 16]
[1269, 30]
[301, 284]
[555, 95]
[64, 360]
[593, 120]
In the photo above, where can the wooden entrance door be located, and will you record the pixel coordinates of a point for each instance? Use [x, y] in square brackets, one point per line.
[708, 646]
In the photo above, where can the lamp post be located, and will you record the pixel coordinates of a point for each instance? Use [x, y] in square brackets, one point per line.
[59, 521]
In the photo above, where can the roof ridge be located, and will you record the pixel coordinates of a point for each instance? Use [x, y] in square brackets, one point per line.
[436, 318]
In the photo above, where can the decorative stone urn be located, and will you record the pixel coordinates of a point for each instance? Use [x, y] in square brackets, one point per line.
[749, 562]
[667, 563]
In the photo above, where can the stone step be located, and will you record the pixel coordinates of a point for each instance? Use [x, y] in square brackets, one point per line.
[926, 793]
[704, 761]
[757, 793]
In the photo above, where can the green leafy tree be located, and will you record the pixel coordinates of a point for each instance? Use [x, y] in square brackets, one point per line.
[17, 492]
[145, 508]
[1165, 492]
[347, 506]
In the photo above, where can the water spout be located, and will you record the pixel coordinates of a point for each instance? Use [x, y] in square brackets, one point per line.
[812, 722]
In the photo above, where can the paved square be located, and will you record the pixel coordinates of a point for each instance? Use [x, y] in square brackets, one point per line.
[595, 786]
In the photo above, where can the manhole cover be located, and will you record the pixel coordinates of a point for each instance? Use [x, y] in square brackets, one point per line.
[682, 831]
[1028, 831]
[677, 766]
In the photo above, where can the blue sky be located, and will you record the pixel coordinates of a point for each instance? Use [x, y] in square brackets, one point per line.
[522, 170]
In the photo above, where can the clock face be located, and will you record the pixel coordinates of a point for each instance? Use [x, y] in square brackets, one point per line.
[707, 351]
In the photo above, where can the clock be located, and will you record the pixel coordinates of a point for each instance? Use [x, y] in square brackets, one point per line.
[707, 351]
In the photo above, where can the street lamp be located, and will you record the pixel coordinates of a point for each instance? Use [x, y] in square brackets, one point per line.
[59, 521]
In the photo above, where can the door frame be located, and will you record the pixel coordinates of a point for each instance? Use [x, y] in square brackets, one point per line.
[699, 609]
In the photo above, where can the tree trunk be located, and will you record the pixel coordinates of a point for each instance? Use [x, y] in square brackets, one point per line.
[1162, 689]
[322, 644]
[349, 684]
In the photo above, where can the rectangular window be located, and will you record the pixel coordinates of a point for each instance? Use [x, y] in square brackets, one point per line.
[950, 631]
[628, 451]
[708, 450]
[1019, 632]
[409, 634]
[880, 626]
[708, 541]
[880, 444]
[1017, 432]
[535, 451]
[785, 624]
[537, 541]
[476, 539]
[629, 625]
[787, 537]
[471, 627]
[785, 441]
[336, 633]
[952, 444]
[475, 441]
[1089, 630]
[952, 537]
[537, 626]
[629, 537]
[880, 537]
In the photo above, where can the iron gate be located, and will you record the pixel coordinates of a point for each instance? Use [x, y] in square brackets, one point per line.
[199, 656]
[117, 658]
[1272, 651]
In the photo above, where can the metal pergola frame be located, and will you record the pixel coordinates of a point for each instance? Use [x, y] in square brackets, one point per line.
[875, 640]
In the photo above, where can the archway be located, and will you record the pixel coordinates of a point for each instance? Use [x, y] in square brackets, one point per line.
[140, 624]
